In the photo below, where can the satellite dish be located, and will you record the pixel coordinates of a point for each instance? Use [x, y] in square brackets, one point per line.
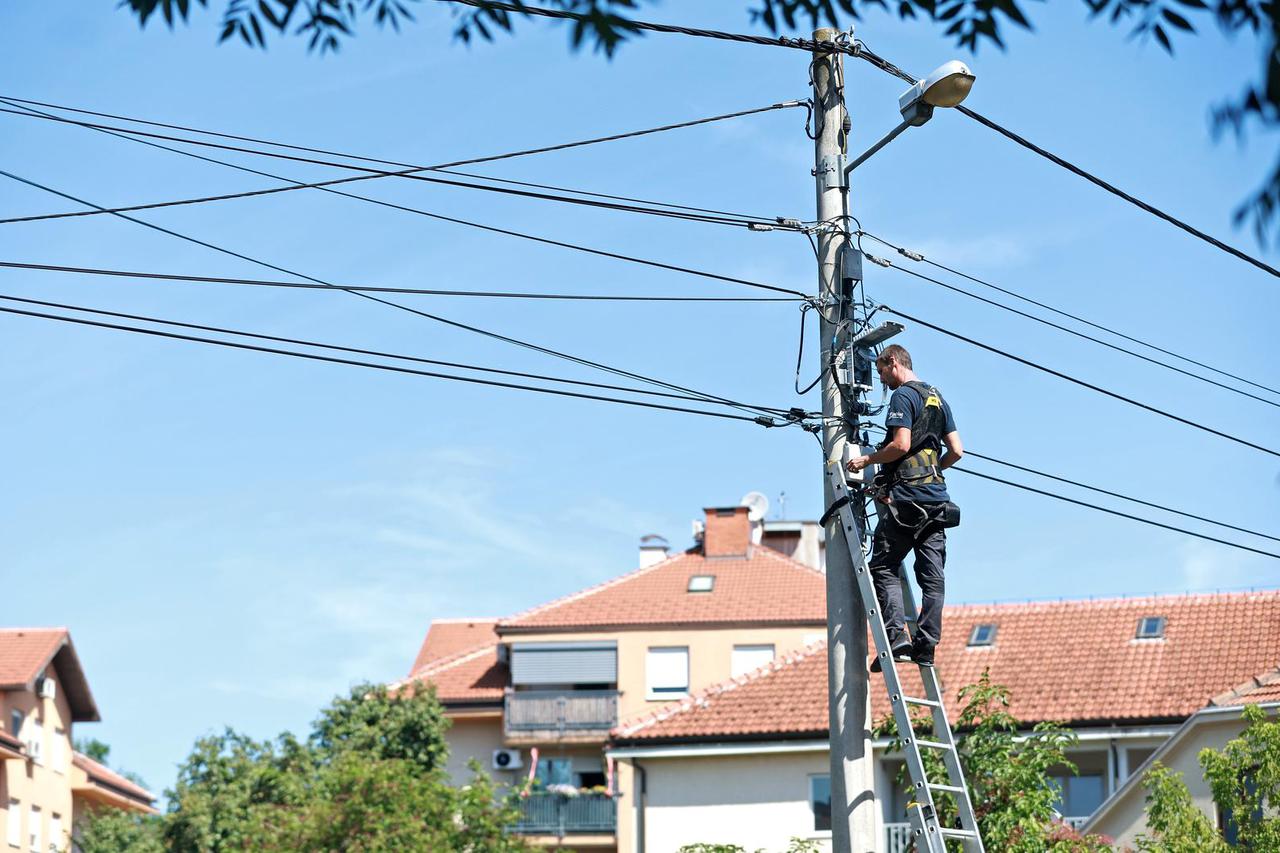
[757, 505]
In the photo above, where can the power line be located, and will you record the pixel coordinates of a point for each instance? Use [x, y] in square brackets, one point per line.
[1114, 512]
[338, 348]
[1061, 328]
[414, 166]
[376, 366]
[861, 51]
[488, 294]
[1102, 491]
[437, 318]
[1082, 383]
[666, 210]
[916, 256]
[369, 173]
[452, 219]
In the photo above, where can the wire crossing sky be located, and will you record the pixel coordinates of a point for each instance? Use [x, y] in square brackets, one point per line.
[272, 528]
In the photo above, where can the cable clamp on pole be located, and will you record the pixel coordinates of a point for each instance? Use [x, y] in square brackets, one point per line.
[907, 253]
[884, 262]
[759, 226]
[765, 421]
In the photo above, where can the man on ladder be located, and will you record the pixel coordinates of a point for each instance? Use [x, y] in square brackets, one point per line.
[916, 507]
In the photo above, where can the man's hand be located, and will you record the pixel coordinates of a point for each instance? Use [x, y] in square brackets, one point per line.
[857, 463]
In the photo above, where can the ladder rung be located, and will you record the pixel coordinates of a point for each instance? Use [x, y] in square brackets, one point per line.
[957, 833]
[933, 744]
[951, 789]
[911, 700]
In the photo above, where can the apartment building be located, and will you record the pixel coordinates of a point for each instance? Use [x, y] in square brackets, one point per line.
[45, 785]
[687, 701]
[536, 695]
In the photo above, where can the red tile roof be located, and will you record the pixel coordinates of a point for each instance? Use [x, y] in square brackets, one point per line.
[1257, 690]
[25, 653]
[100, 774]
[1076, 661]
[472, 675]
[447, 637]
[779, 699]
[760, 589]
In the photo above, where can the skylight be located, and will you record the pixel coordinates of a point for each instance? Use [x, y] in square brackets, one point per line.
[1151, 628]
[983, 635]
[702, 583]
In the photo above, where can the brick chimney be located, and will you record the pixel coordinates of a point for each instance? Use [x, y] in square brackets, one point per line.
[728, 532]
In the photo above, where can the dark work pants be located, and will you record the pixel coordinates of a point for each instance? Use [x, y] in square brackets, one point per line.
[889, 547]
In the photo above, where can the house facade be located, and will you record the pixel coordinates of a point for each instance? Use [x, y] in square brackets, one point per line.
[687, 701]
[45, 785]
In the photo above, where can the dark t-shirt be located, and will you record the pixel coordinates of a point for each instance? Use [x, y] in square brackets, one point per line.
[905, 406]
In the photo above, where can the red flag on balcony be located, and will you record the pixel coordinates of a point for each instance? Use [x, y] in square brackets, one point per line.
[533, 771]
[609, 760]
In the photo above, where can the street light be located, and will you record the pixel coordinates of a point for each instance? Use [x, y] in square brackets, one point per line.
[945, 86]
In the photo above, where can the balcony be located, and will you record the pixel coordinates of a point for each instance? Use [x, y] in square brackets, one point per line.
[581, 716]
[542, 813]
[897, 836]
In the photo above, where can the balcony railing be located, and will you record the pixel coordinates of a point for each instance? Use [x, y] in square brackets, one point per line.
[560, 712]
[542, 813]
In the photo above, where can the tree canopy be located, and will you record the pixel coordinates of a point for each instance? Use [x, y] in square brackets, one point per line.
[369, 778]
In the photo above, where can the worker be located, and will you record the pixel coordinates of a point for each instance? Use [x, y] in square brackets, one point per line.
[917, 508]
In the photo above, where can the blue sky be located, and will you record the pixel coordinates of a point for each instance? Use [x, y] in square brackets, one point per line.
[234, 537]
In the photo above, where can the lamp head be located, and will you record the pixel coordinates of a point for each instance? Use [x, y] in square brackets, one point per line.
[945, 86]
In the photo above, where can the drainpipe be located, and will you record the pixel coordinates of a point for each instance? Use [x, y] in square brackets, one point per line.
[642, 787]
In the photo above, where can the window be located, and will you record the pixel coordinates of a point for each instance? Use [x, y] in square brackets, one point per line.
[820, 802]
[58, 751]
[15, 723]
[748, 658]
[1079, 796]
[702, 583]
[555, 771]
[667, 671]
[983, 635]
[1151, 628]
[35, 741]
[14, 819]
[33, 828]
[55, 831]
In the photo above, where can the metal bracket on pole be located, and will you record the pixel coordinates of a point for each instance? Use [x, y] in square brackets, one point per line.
[831, 172]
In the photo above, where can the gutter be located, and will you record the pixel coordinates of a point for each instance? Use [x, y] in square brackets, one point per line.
[642, 790]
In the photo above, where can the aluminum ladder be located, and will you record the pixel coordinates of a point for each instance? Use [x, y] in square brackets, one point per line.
[927, 833]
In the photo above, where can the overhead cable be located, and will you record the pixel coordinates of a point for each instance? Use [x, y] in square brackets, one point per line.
[486, 294]
[1070, 331]
[414, 166]
[354, 350]
[789, 225]
[1114, 512]
[861, 51]
[455, 220]
[427, 315]
[374, 365]
[1082, 383]
[1102, 491]
[920, 258]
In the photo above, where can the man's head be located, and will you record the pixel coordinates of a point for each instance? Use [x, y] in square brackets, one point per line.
[894, 366]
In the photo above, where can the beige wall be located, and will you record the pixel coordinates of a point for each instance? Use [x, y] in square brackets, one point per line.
[710, 653]
[46, 784]
[475, 737]
[758, 801]
[1126, 819]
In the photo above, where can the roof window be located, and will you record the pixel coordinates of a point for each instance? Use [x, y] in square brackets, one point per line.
[702, 583]
[983, 635]
[1151, 628]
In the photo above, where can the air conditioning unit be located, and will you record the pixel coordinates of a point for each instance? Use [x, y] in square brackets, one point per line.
[507, 759]
[47, 688]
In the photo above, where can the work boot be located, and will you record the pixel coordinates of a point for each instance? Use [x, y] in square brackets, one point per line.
[922, 653]
[901, 654]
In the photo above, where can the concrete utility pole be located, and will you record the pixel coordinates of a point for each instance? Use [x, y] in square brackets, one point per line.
[853, 817]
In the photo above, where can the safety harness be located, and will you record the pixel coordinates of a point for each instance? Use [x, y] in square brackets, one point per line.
[919, 467]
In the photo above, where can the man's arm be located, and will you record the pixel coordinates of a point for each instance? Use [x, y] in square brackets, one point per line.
[891, 452]
[954, 450]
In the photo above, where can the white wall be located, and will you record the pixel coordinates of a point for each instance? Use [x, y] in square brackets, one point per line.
[755, 801]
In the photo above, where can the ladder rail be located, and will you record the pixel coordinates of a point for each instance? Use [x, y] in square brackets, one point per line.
[929, 835]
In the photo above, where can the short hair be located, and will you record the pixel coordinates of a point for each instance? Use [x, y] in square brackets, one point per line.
[897, 353]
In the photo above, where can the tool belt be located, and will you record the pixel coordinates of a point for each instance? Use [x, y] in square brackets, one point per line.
[915, 517]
